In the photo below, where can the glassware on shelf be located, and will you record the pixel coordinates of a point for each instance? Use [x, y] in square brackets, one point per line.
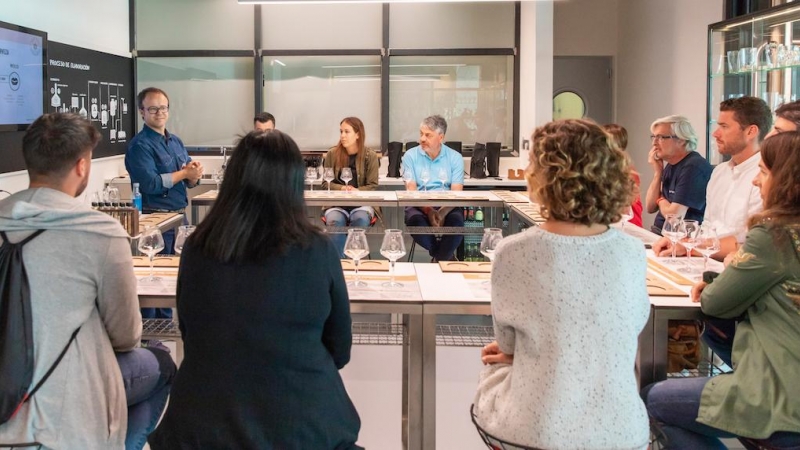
[393, 248]
[747, 59]
[184, 231]
[219, 176]
[356, 248]
[151, 242]
[733, 61]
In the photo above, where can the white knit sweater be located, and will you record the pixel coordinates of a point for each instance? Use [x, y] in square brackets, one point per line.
[570, 309]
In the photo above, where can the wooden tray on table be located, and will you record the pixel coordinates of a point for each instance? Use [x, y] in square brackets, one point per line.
[465, 266]
[371, 265]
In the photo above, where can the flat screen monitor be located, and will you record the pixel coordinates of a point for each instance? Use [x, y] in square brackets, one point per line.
[23, 53]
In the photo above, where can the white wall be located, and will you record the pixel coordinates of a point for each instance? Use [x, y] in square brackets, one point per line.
[661, 68]
[536, 69]
[585, 27]
[100, 25]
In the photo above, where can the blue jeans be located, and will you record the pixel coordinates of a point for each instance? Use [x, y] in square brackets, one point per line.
[338, 217]
[718, 335]
[441, 249]
[673, 405]
[147, 374]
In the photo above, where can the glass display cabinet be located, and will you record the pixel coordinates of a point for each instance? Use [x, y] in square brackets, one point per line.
[758, 55]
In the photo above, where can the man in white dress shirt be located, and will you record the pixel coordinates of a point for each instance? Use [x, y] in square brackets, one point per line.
[731, 198]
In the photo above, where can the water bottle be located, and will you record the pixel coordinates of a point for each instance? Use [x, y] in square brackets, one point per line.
[137, 197]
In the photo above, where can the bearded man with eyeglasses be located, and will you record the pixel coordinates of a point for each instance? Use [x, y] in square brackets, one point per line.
[159, 162]
[680, 174]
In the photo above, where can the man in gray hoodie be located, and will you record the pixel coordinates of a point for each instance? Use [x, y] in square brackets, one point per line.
[81, 275]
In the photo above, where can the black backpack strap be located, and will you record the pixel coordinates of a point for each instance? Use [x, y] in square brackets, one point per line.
[53, 367]
[24, 241]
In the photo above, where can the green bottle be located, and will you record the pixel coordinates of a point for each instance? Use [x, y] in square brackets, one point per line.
[479, 214]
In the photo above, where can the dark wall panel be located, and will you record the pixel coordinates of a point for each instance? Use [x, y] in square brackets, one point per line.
[96, 85]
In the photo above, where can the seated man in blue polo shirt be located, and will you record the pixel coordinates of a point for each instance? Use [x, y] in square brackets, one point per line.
[159, 162]
[432, 166]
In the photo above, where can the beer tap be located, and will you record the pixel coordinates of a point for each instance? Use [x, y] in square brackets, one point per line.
[224, 151]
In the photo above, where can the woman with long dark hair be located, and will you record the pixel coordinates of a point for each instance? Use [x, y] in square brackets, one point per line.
[350, 152]
[264, 315]
[759, 401]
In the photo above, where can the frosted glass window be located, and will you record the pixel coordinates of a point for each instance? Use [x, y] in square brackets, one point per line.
[473, 93]
[451, 25]
[210, 99]
[194, 25]
[327, 26]
[310, 95]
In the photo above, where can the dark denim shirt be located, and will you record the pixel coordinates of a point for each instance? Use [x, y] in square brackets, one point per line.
[150, 160]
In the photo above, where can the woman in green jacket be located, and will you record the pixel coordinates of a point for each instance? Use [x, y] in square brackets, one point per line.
[351, 153]
[759, 402]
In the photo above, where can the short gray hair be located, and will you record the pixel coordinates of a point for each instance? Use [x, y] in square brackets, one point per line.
[435, 123]
[680, 127]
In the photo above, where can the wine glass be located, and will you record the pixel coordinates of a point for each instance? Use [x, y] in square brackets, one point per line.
[491, 238]
[393, 248]
[707, 243]
[408, 177]
[311, 176]
[356, 247]
[184, 231]
[443, 177]
[627, 214]
[151, 242]
[328, 176]
[113, 195]
[424, 177]
[689, 229]
[219, 175]
[346, 175]
[672, 230]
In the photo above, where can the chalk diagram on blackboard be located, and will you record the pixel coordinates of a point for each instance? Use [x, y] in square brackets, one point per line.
[101, 103]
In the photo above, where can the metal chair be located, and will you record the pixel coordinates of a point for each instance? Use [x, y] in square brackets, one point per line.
[493, 442]
[455, 145]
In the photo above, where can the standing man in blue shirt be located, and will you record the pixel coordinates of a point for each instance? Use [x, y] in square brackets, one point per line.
[159, 162]
[433, 166]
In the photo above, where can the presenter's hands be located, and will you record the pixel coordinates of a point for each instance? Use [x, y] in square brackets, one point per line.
[349, 188]
[491, 354]
[193, 171]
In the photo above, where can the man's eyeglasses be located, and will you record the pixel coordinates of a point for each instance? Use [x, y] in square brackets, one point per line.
[157, 109]
[662, 137]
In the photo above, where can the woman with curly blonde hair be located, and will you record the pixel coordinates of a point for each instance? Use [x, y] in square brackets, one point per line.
[569, 300]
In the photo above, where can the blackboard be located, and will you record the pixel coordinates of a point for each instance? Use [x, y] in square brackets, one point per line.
[87, 82]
